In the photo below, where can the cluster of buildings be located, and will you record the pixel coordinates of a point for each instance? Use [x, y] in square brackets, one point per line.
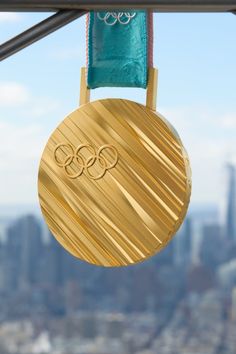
[182, 300]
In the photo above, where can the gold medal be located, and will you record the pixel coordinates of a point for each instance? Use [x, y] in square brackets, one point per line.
[114, 180]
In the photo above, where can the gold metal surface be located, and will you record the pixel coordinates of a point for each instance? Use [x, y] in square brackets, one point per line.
[82, 164]
[114, 182]
[151, 97]
[84, 90]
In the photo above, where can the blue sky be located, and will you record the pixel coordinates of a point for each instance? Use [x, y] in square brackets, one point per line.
[196, 58]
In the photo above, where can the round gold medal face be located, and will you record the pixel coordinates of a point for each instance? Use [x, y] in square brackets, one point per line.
[114, 182]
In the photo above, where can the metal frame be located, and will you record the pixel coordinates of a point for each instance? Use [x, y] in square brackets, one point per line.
[39, 31]
[155, 5]
[69, 10]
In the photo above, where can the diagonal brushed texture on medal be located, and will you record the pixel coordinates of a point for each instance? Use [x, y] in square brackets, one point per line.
[114, 182]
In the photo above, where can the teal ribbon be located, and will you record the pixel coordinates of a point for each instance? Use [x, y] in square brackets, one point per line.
[117, 50]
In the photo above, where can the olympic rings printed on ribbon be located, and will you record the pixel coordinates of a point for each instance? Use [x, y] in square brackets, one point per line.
[84, 164]
[111, 18]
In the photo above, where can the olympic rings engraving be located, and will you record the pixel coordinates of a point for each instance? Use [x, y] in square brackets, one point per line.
[84, 164]
[111, 18]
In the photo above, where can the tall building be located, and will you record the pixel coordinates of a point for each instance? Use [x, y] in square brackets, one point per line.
[24, 247]
[115, 325]
[234, 304]
[227, 275]
[184, 243]
[231, 204]
[3, 273]
[88, 325]
[60, 265]
[54, 263]
[211, 251]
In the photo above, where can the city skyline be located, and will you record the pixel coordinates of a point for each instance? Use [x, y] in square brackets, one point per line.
[183, 299]
[175, 302]
[213, 229]
[11, 210]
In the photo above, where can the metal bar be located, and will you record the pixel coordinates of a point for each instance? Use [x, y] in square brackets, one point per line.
[155, 5]
[39, 31]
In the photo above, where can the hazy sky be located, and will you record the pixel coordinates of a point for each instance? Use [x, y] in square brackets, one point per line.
[196, 58]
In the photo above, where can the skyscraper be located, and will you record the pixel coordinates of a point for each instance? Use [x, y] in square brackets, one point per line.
[24, 248]
[184, 243]
[231, 205]
[211, 251]
[234, 304]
